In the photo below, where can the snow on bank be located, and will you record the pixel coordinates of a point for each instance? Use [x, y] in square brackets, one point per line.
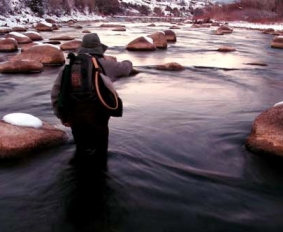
[275, 26]
[27, 18]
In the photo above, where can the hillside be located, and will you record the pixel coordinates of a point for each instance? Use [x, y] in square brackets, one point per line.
[23, 12]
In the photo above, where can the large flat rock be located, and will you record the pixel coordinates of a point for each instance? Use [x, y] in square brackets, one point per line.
[266, 135]
[17, 141]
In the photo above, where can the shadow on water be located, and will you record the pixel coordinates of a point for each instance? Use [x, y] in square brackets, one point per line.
[85, 198]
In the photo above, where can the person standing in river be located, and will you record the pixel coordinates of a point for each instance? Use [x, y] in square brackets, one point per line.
[89, 120]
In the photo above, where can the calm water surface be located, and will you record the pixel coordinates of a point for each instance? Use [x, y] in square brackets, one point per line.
[177, 160]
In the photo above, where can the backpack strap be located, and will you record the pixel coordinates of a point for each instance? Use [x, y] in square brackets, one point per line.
[96, 84]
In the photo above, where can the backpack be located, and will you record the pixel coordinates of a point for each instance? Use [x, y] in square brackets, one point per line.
[84, 80]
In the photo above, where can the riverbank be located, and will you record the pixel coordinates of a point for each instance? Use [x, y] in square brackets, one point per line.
[27, 19]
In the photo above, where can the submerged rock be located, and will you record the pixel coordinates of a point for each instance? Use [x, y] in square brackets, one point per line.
[44, 26]
[268, 31]
[226, 49]
[21, 66]
[277, 42]
[71, 45]
[172, 66]
[17, 141]
[223, 29]
[266, 135]
[63, 37]
[21, 38]
[119, 29]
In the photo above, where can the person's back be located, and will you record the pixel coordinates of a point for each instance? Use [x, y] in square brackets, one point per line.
[89, 119]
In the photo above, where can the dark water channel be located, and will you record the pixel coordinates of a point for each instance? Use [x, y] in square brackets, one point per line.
[177, 160]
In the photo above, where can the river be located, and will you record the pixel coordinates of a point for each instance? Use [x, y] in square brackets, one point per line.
[177, 160]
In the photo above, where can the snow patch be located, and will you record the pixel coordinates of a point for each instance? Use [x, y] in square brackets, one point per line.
[279, 103]
[23, 119]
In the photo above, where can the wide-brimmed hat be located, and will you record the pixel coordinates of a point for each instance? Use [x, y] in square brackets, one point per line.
[91, 44]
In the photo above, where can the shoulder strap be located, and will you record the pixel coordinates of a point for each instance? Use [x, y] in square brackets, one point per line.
[96, 84]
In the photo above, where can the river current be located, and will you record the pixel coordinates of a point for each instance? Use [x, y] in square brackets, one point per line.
[177, 160]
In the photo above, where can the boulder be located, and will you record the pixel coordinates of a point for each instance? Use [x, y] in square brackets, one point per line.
[119, 29]
[21, 66]
[21, 38]
[268, 31]
[47, 54]
[226, 49]
[170, 36]
[27, 46]
[8, 45]
[266, 135]
[86, 31]
[172, 66]
[159, 40]
[34, 36]
[17, 141]
[44, 26]
[256, 63]
[19, 28]
[142, 43]
[4, 30]
[277, 42]
[223, 29]
[71, 45]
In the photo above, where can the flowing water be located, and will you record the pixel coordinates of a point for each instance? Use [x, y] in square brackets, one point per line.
[177, 160]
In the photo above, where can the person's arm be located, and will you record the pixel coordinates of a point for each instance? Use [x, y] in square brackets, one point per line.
[114, 69]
